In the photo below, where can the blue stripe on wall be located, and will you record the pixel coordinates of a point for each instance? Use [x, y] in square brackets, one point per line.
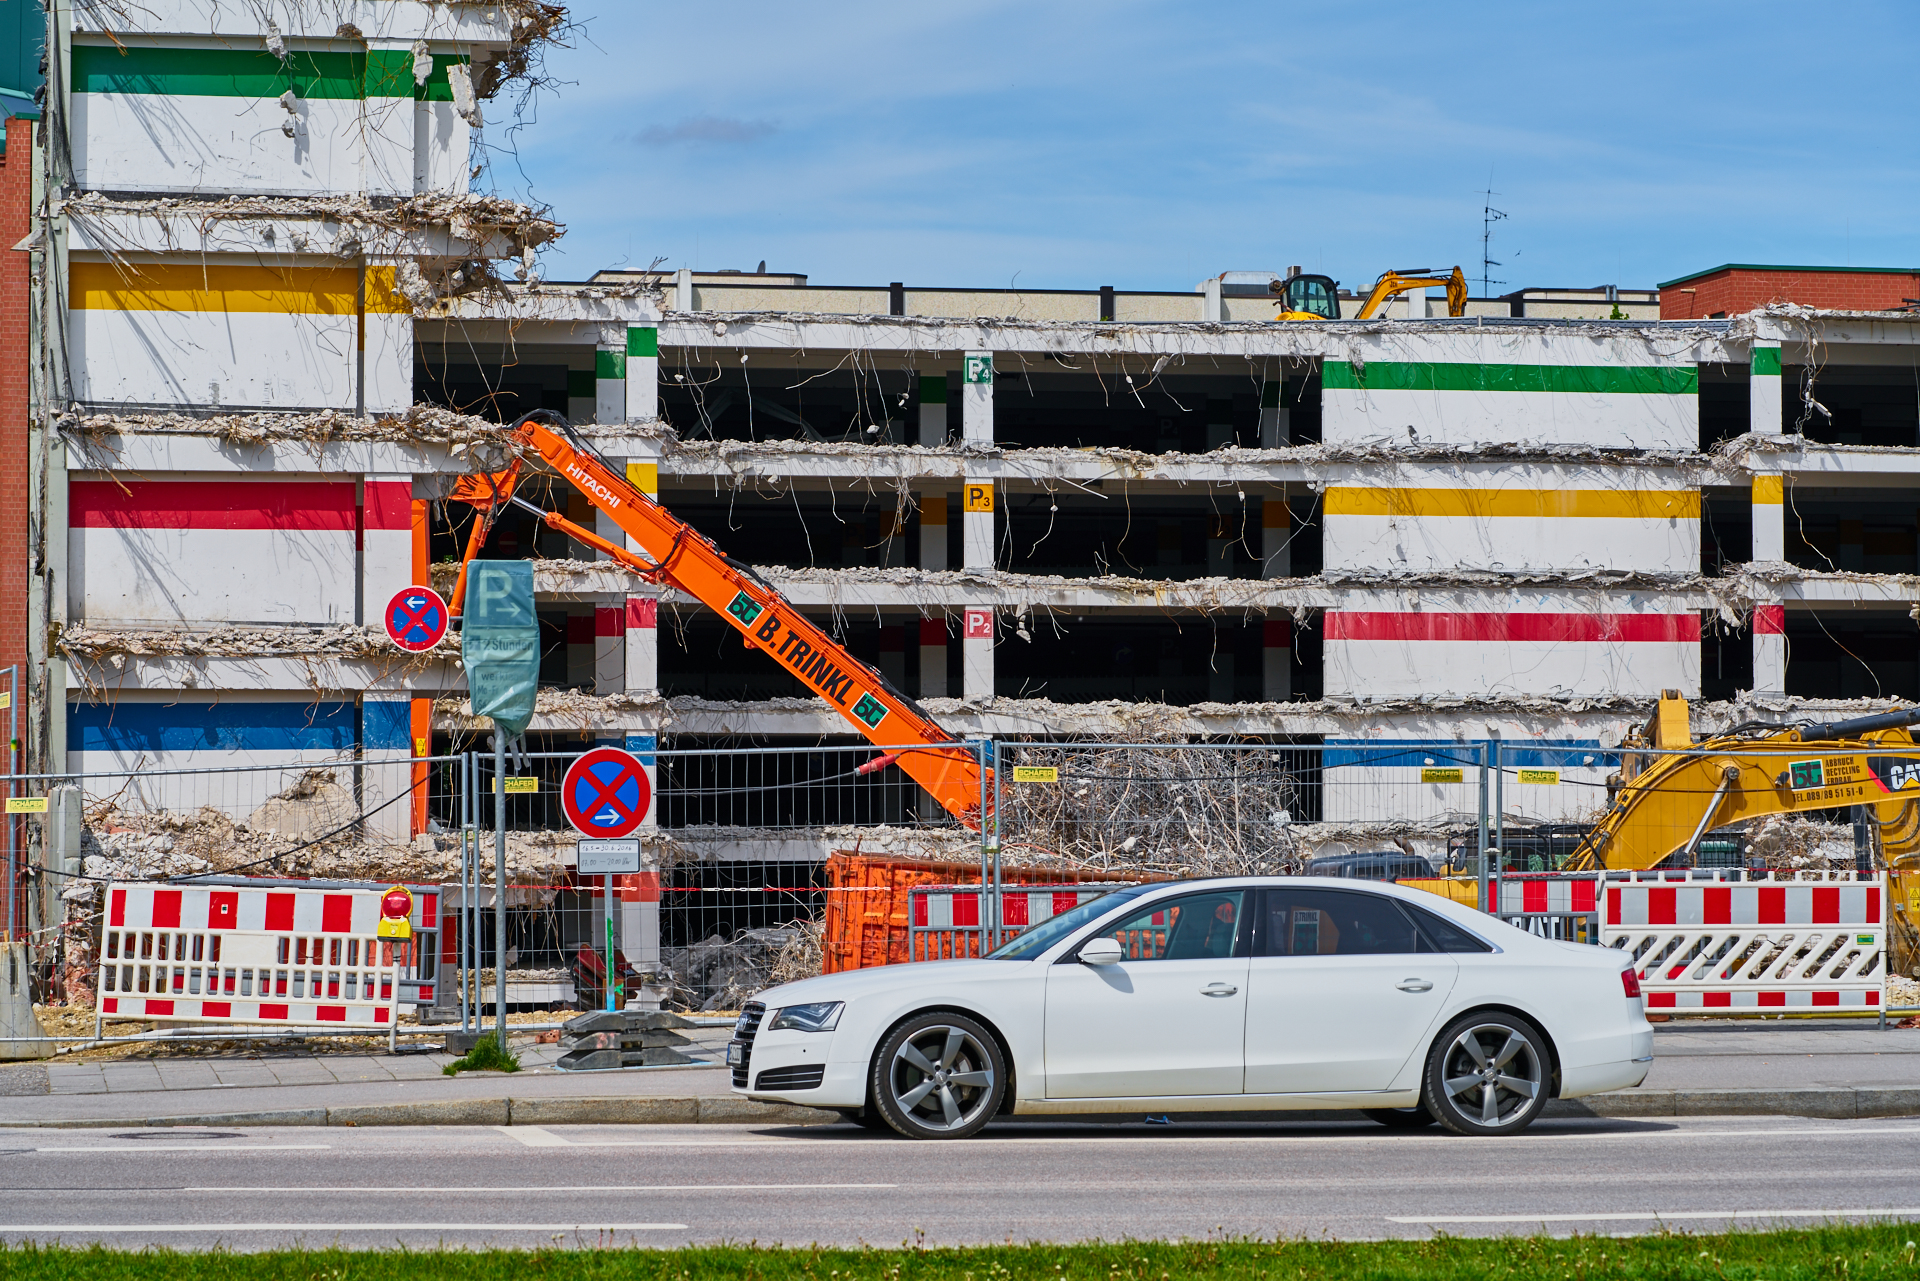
[1412, 753]
[236, 727]
[389, 724]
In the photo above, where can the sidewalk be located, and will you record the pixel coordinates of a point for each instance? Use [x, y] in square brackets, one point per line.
[1701, 1067]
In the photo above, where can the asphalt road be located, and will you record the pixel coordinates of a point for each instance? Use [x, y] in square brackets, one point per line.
[670, 1185]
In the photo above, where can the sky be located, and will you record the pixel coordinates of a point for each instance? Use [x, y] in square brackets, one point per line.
[1151, 145]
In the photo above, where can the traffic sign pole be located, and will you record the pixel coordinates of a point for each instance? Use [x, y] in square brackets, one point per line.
[609, 983]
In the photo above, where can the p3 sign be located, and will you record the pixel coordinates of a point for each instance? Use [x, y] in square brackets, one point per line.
[416, 619]
[606, 793]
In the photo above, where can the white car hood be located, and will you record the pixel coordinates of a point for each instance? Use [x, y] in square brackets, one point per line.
[882, 978]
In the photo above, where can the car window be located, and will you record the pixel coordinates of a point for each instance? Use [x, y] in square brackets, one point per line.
[1190, 928]
[1443, 935]
[1031, 942]
[1308, 922]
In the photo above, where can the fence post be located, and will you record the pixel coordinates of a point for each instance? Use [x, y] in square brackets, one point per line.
[500, 884]
[1499, 820]
[999, 918]
[1486, 827]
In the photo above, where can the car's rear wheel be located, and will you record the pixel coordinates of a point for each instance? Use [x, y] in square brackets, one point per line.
[1487, 1074]
[938, 1076]
[1400, 1118]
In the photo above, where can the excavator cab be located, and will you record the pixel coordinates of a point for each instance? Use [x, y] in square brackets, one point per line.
[1308, 298]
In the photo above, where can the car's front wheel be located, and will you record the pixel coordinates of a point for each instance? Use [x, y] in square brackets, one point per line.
[938, 1076]
[1487, 1074]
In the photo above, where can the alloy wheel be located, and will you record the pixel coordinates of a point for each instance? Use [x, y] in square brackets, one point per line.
[1492, 1075]
[941, 1077]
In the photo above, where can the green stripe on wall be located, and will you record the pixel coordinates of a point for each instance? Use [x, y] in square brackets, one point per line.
[1391, 375]
[1766, 361]
[643, 340]
[609, 364]
[255, 73]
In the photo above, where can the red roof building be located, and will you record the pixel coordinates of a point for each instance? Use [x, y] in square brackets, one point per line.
[1734, 287]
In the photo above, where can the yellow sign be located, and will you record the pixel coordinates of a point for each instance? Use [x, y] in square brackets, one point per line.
[1443, 776]
[522, 785]
[6, 700]
[26, 805]
[1546, 777]
[420, 746]
[979, 497]
[1036, 774]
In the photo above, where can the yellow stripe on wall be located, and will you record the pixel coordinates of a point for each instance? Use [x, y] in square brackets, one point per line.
[1619, 504]
[1769, 490]
[195, 287]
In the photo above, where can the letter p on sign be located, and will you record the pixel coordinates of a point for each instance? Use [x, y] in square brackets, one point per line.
[979, 624]
[979, 496]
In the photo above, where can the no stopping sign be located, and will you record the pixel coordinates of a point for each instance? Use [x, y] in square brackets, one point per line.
[606, 793]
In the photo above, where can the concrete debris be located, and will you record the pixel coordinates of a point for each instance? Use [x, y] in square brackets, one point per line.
[721, 974]
[465, 216]
[465, 105]
[1902, 992]
[94, 433]
[97, 646]
[760, 458]
[561, 707]
[1791, 843]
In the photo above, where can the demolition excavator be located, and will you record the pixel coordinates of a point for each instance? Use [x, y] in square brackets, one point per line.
[1672, 791]
[673, 554]
[1311, 297]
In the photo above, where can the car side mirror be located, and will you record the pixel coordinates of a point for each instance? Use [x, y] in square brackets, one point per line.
[1102, 951]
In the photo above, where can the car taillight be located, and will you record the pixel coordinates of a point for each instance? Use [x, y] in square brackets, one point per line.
[1630, 981]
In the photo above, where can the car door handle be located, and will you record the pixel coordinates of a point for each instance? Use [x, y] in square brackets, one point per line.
[1414, 985]
[1218, 989]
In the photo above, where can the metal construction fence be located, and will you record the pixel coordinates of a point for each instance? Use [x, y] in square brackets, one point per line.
[737, 885]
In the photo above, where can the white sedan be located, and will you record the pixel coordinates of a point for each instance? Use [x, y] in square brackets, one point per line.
[1220, 995]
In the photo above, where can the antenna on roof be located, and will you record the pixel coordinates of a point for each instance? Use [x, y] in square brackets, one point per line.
[1488, 216]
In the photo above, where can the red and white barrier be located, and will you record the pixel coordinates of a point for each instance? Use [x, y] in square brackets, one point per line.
[227, 954]
[944, 920]
[1791, 941]
[1547, 894]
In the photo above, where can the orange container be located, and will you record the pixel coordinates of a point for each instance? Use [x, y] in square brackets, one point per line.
[868, 912]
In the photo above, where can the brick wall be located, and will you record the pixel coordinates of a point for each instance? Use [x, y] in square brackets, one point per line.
[1739, 289]
[16, 199]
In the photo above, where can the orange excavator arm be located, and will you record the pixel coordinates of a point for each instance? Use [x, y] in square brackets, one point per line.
[678, 556]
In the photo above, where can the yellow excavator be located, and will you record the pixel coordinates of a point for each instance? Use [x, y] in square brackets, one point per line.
[1672, 791]
[1309, 297]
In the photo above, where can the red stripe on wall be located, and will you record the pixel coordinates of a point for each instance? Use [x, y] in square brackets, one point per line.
[210, 504]
[1769, 620]
[1354, 625]
[390, 504]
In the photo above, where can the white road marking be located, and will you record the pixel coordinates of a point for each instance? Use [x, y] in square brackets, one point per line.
[1656, 1215]
[82, 1228]
[199, 1147]
[514, 1191]
[534, 1137]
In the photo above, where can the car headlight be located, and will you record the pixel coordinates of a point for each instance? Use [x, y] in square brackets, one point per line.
[819, 1017]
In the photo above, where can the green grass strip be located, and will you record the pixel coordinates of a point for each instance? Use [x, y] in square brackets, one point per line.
[1396, 375]
[485, 1056]
[1817, 1254]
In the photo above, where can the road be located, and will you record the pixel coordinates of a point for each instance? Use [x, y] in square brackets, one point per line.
[670, 1185]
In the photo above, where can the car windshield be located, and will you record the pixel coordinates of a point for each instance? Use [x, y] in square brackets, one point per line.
[1038, 939]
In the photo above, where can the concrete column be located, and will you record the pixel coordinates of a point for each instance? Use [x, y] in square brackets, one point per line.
[1769, 516]
[933, 658]
[642, 634]
[1221, 532]
[387, 128]
[386, 557]
[1213, 306]
[1219, 423]
[583, 395]
[610, 648]
[580, 674]
[1770, 649]
[1764, 390]
[1276, 431]
[933, 410]
[385, 356]
[643, 373]
[976, 655]
[1276, 530]
[683, 290]
[976, 525]
[1276, 649]
[933, 531]
[610, 383]
[640, 895]
[386, 725]
[893, 655]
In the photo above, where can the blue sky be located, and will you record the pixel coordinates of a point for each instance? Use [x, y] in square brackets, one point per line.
[1149, 145]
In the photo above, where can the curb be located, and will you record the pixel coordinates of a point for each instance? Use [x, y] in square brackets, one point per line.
[631, 1110]
[1840, 1104]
